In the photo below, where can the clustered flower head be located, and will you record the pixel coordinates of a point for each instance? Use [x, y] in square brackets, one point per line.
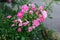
[30, 16]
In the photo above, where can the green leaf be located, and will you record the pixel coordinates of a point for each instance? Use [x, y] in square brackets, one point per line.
[23, 38]
[57, 0]
[36, 5]
[49, 16]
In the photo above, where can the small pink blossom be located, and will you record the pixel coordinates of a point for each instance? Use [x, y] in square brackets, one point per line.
[41, 18]
[15, 21]
[24, 8]
[44, 13]
[29, 29]
[19, 29]
[41, 8]
[9, 16]
[33, 27]
[33, 7]
[20, 14]
[30, 11]
[37, 13]
[26, 23]
[36, 23]
[12, 25]
[20, 22]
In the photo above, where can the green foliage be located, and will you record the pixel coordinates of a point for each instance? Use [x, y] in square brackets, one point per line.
[8, 33]
[57, 0]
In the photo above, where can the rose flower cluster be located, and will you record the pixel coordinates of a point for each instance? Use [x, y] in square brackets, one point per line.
[29, 16]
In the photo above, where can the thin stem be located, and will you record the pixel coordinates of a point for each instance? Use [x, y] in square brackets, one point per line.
[49, 4]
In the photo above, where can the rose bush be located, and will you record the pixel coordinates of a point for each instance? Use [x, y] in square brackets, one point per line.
[27, 18]
[24, 24]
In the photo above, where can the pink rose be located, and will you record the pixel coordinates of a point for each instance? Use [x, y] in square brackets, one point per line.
[33, 27]
[35, 23]
[20, 14]
[30, 11]
[33, 7]
[20, 22]
[41, 18]
[37, 13]
[24, 8]
[15, 21]
[9, 16]
[44, 13]
[29, 29]
[19, 29]
[41, 8]
[26, 23]
[12, 25]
